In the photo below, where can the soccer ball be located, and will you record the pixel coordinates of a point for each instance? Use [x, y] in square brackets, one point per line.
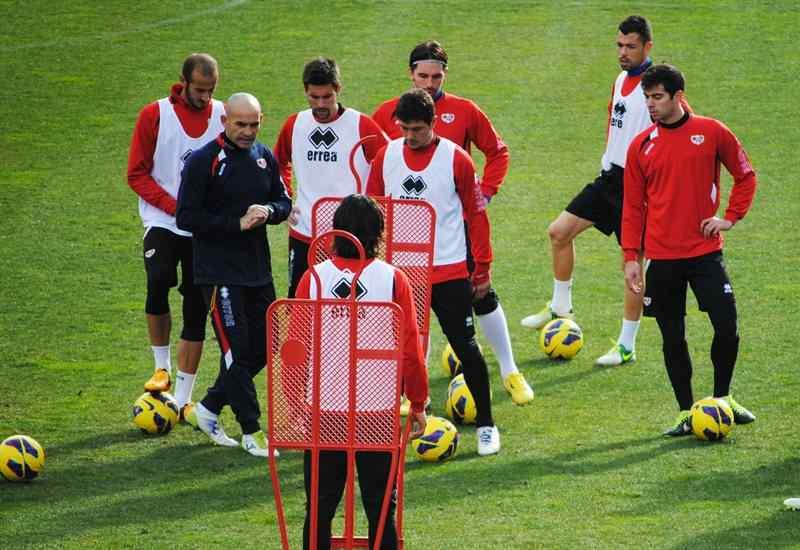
[21, 458]
[561, 339]
[439, 441]
[712, 419]
[155, 413]
[460, 405]
[451, 365]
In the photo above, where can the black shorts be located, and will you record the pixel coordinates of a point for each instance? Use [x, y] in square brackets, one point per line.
[600, 202]
[667, 280]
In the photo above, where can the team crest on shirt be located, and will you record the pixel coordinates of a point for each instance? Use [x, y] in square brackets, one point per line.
[698, 139]
[413, 187]
[448, 118]
[262, 163]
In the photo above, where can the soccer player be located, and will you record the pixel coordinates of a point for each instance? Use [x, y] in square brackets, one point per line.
[362, 217]
[166, 133]
[424, 166]
[599, 204]
[464, 123]
[230, 189]
[672, 193]
[314, 145]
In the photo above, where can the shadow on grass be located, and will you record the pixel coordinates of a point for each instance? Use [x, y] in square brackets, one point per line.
[86, 489]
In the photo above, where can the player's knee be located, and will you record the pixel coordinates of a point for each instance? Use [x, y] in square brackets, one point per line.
[195, 312]
[559, 234]
[157, 300]
[487, 304]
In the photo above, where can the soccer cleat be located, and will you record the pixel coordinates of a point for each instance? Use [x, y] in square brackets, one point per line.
[617, 355]
[740, 414]
[683, 425]
[188, 415]
[208, 423]
[250, 445]
[792, 503]
[518, 388]
[488, 440]
[160, 381]
[538, 320]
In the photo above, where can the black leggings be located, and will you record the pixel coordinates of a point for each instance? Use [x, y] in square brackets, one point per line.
[373, 473]
[724, 350]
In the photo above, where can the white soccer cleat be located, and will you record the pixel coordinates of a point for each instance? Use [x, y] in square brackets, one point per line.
[208, 423]
[792, 503]
[250, 445]
[488, 440]
[617, 355]
[538, 320]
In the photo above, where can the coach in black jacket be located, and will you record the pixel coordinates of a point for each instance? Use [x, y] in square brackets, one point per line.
[230, 189]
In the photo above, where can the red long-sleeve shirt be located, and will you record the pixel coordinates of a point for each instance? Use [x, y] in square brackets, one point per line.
[464, 123]
[415, 375]
[672, 181]
[143, 146]
[472, 201]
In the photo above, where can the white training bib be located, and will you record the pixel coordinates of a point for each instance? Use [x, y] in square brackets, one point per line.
[435, 184]
[173, 148]
[629, 118]
[375, 284]
[320, 161]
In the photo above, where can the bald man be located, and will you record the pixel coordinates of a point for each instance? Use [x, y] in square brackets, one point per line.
[230, 190]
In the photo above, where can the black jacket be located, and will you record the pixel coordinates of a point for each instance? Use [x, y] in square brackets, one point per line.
[218, 184]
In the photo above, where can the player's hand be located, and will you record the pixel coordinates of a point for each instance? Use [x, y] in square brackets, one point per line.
[256, 215]
[480, 289]
[418, 421]
[713, 225]
[481, 281]
[294, 216]
[633, 276]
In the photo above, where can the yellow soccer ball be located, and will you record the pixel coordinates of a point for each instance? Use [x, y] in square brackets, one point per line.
[561, 339]
[460, 405]
[712, 419]
[451, 365]
[438, 443]
[21, 458]
[155, 413]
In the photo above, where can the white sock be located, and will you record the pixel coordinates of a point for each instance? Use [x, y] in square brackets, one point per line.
[161, 355]
[562, 296]
[184, 382]
[495, 329]
[627, 336]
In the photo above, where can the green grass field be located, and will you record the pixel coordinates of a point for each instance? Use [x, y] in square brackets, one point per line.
[584, 466]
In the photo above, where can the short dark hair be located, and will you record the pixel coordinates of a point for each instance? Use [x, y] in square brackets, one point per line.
[416, 104]
[639, 25]
[321, 71]
[667, 75]
[430, 50]
[202, 62]
[361, 216]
